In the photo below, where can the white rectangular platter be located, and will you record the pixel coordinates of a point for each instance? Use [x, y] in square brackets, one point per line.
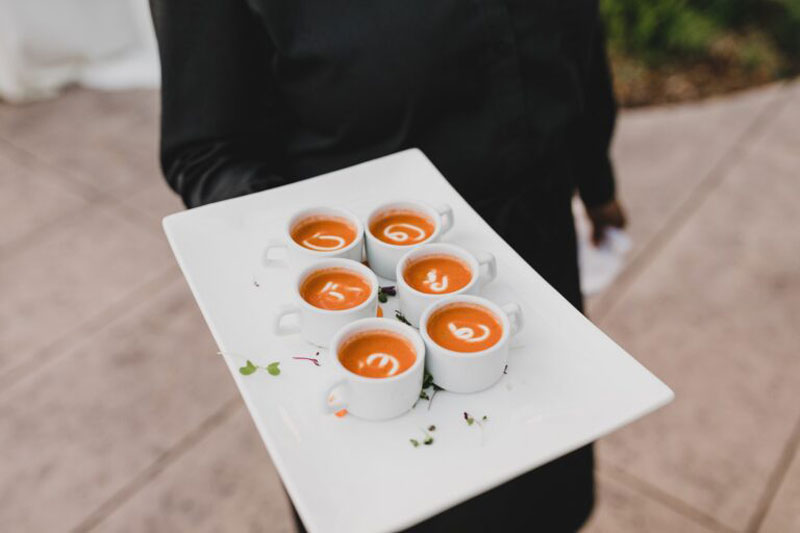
[567, 383]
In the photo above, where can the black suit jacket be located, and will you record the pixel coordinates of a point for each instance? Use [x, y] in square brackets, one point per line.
[510, 99]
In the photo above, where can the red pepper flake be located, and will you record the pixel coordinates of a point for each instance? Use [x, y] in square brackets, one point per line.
[341, 413]
[380, 312]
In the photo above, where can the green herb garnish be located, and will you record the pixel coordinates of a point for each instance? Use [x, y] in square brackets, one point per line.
[414, 442]
[248, 369]
[427, 382]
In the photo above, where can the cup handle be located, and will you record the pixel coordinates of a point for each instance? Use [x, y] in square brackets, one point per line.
[274, 244]
[487, 261]
[336, 398]
[514, 313]
[446, 214]
[278, 328]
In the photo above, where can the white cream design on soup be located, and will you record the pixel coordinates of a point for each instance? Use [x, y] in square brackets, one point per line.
[433, 282]
[467, 334]
[332, 289]
[340, 242]
[402, 236]
[383, 359]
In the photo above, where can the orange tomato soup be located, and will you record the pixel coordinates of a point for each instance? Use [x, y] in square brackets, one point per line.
[437, 274]
[402, 227]
[335, 289]
[324, 233]
[377, 353]
[464, 327]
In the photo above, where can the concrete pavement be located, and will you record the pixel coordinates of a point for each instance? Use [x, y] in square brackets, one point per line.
[116, 414]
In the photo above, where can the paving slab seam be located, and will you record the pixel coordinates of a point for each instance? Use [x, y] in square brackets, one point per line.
[190, 440]
[78, 335]
[657, 494]
[691, 203]
[775, 480]
[87, 191]
[13, 247]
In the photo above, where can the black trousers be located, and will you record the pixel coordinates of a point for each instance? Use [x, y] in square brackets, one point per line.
[555, 498]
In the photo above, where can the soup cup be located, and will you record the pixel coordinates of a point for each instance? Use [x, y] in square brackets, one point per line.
[296, 256]
[376, 398]
[467, 372]
[383, 256]
[413, 302]
[317, 325]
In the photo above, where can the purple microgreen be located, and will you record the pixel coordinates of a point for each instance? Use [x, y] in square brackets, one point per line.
[431, 428]
[316, 363]
[505, 370]
[389, 291]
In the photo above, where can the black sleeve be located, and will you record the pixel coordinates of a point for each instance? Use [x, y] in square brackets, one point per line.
[218, 119]
[592, 132]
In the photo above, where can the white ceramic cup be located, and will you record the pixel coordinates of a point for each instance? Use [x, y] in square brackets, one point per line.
[317, 325]
[376, 398]
[382, 256]
[467, 372]
[298, 257]
[414, 302]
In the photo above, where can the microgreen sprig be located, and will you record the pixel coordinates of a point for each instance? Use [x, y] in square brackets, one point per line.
[427, 382]
[385, 292]
[479, 422]
[401, 317]
[428, 440]
[313, 358]
[273, 369]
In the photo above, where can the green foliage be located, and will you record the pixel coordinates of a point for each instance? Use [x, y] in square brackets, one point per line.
[657, 31]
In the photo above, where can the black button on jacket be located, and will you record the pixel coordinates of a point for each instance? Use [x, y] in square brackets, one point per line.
[510, 99]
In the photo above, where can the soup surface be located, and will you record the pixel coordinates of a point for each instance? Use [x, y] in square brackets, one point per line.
[377, 353]
[335, 289]
[437, 274]
[402, 227]
[464, 327]
[324, 233]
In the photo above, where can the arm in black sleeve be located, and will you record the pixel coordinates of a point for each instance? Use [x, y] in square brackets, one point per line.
[218, 130]
[592, 132]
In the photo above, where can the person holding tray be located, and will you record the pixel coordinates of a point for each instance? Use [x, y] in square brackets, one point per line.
[512, 101]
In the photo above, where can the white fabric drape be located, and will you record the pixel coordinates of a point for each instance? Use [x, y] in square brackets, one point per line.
[48, 44]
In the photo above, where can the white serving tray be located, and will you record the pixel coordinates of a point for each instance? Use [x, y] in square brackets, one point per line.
[567, 382]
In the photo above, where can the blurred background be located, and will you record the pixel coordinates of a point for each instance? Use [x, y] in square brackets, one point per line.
[116, 414]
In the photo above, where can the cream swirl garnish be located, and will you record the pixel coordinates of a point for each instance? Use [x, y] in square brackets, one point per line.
[434, 283]
[332, 289]
[467, 334]
[382, 360]
[340, 242]
[395, 233]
